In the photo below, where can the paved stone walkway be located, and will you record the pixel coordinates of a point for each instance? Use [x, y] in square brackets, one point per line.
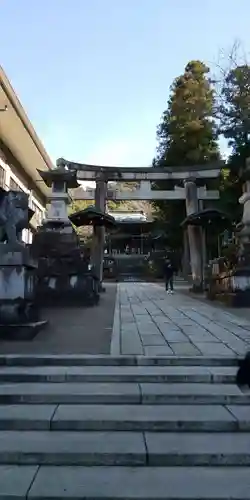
[149, 322]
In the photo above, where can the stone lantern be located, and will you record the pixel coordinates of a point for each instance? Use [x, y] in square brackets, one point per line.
[63, 277]
[60, 180]
[244, 233]
[241, 276]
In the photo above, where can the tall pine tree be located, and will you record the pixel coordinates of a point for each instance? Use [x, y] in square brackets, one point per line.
[187, 134]
[234, 111]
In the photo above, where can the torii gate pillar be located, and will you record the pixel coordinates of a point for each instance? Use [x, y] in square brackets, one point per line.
[194, 234]
[99, 231]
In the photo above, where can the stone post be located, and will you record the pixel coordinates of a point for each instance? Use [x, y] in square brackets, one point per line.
[99, 231]
[186, 255]
[194, 234]
[203, 243]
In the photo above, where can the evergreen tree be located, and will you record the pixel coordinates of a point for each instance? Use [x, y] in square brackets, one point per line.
[234, 109]
[187, 134]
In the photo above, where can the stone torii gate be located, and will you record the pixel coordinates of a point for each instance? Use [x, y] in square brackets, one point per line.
[190, 187]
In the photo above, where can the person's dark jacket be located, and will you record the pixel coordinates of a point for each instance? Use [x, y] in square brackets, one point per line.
[168, 269]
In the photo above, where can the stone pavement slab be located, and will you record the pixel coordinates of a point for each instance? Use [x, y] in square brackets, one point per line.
[15, 481]
[174, 325]
[172, 448]
[184, 349]
[163, 350]
[192, 393]
[242, 415]
[26, 417]
[185, 360]
[72, 448]
[147, 418]
[67, 393]
[154, 483]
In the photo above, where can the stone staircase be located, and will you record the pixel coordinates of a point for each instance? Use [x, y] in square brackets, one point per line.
[127, 428]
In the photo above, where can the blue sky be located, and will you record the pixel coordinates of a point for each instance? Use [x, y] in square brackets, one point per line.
[94, 75]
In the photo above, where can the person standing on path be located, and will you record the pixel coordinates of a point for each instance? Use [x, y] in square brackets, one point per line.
[169, 275]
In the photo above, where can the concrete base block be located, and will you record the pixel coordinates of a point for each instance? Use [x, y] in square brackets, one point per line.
[70, 290]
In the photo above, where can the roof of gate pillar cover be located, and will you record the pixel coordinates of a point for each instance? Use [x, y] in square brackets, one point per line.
[18, 134]
[208, 217]
[90, 216]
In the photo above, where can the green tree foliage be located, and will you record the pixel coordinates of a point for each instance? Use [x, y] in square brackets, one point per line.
[230, 191]
[234, 114]
[187, 135]
[84, 232]
[235, 110]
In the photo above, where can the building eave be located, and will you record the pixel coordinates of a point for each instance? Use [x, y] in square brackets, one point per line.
[18, 134]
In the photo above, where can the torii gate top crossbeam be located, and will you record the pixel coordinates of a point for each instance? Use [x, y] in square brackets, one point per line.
[119, 174]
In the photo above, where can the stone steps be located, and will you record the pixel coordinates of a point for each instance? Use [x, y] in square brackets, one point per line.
[124, 483]
[123, 448]
[106, 360]
[198, 418]
[122, 393]
[114, 374]
[122, 428]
